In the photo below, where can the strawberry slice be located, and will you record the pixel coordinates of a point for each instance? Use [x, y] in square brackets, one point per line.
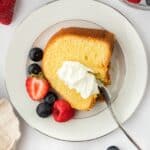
[37, 87]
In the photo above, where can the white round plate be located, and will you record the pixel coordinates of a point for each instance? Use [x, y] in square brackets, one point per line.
[132, 86]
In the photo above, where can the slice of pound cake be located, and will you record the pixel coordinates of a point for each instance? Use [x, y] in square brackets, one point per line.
[90, 47]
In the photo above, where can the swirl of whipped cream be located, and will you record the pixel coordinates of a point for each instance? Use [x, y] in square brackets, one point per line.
[76, 76]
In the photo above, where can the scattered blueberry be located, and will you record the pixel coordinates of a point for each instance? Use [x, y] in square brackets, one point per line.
[50, 98]
[148, 2]
[113, 148]
[44, 110]
[36, 54]
[34, 69]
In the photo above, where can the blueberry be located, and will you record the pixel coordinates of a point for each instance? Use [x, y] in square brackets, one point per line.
[34, 69]
[113, 148]
[44, 110]
[148, 2]
[50, 98]
[36, 54]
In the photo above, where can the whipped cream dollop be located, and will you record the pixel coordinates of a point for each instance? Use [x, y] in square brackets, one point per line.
[76, 76]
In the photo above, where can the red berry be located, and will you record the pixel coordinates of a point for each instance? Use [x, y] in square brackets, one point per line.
[37, 88]
[6, 20]
[6, 11]
[62, 111]
[134, 1]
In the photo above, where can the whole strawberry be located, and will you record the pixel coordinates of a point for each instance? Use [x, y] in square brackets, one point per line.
[62, 111]
[6, 11]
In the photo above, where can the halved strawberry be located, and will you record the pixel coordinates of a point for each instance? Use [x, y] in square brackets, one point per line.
[37, 87]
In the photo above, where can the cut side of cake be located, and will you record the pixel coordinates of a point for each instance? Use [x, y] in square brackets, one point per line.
[90, 47]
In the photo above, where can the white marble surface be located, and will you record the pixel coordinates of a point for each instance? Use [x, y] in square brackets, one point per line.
[138, 125]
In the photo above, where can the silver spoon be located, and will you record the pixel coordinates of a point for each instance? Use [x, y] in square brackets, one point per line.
[107, 99]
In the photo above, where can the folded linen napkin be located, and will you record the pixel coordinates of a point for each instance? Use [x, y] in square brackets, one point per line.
[9, 126]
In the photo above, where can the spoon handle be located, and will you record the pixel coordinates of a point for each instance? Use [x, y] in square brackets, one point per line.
[123, 130]
[107, 99]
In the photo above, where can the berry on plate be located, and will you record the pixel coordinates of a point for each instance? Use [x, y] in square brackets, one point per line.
[62, 111]
[134, 1]
[44, 110]
[34, 69]
[37, 87]
[36, 54]
[50, 98]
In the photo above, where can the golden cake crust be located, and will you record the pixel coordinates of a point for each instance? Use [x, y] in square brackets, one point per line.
[91, 47]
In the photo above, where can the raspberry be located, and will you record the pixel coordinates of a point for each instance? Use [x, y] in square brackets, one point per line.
[134, 1]
[62, 111]
[6, 11]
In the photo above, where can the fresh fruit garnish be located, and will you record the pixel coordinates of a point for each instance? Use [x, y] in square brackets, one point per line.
[50, 98]
[62, 111]
[134, 1]
[44, 110]
[6, 11]
[37, 87]
[113, 148]
[34, 69]
[36, 54]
